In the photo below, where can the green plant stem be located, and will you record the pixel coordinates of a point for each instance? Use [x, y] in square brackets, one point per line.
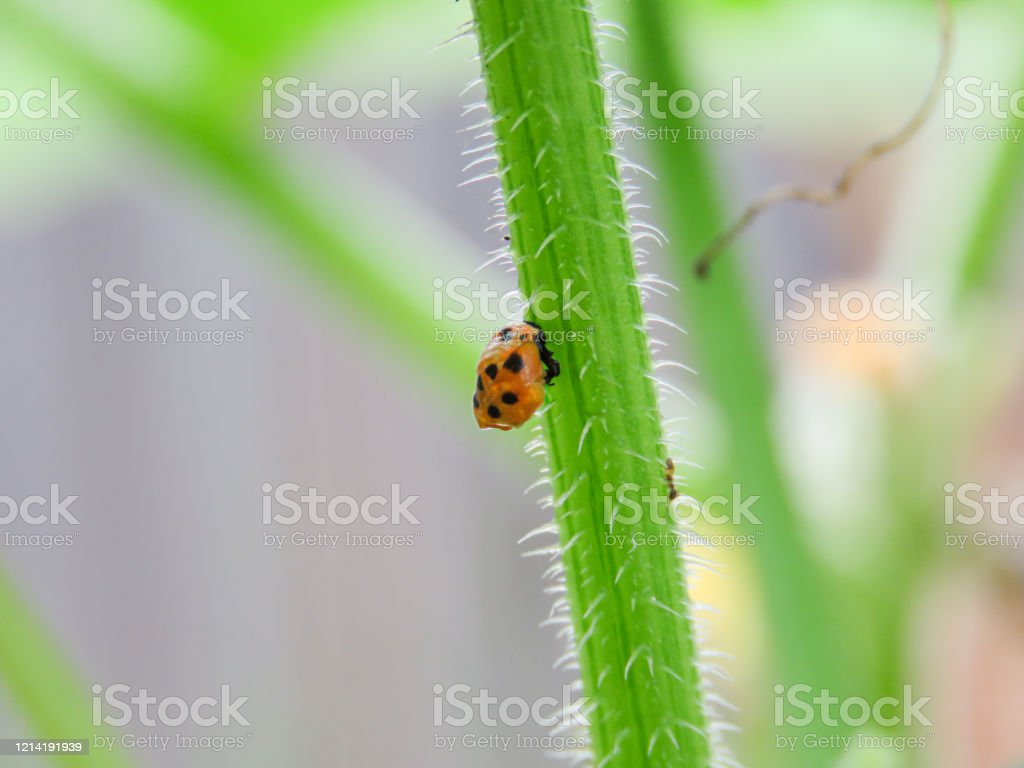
[570, 234]
[999, 206]
[734, 366]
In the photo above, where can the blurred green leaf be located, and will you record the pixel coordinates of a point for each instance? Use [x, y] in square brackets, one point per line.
[734, 366]
[257, 31]
[339, 248]
[998, 211]
[43, 684]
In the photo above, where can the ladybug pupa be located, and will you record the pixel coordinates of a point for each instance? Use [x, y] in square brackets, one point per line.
[514, 368]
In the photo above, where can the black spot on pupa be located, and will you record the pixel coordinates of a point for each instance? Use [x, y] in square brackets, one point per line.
[506, 333]
[491, 370]
[479, 384]
[476, 403]
[509, 398]
[493, 412]
[514, 363]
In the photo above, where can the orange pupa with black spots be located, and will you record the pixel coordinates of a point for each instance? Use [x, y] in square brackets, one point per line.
[511, 377]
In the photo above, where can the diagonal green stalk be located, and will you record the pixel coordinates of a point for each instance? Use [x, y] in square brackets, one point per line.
[41, 682]
[570, 235]
[342, 252]
[50, 696]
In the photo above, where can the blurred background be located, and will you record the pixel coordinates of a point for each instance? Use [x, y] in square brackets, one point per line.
[166, 154]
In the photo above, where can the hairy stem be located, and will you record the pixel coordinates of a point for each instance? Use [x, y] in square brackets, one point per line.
[570, 236]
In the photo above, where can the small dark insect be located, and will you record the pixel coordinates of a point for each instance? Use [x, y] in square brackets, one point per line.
[670, 472]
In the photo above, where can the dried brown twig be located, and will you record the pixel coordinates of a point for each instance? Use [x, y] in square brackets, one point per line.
[841, 187]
